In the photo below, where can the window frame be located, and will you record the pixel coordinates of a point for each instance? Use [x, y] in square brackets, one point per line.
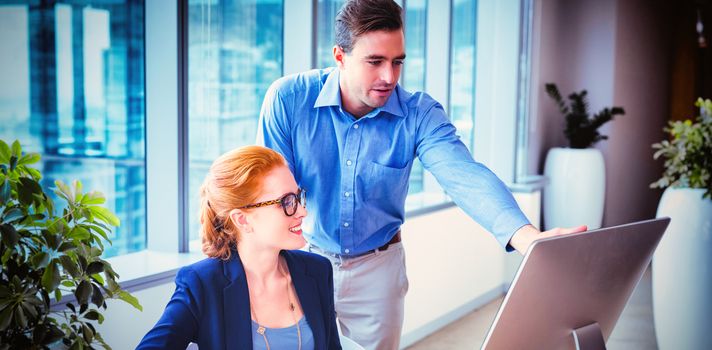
[166, 121]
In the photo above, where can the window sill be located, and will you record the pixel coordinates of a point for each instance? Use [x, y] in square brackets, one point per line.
[147, 268]
[142, 270]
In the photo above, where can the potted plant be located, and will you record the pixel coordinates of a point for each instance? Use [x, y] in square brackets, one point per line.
[576, 191]
[48, 255]
[682, 265]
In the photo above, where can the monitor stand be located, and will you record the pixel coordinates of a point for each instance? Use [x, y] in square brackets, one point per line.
[589, 337]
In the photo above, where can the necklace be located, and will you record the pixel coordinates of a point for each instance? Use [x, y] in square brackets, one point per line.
[261, 329]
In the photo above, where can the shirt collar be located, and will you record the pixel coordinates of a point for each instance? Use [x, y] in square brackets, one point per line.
[330, 95]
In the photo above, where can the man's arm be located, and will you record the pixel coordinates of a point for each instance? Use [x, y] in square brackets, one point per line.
[273, 128]
[526, 235]
[475, 189]
[471, 185]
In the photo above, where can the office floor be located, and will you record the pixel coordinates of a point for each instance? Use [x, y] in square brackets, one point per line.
[634, 330]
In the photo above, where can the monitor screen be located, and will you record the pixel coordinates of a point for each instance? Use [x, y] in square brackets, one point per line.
[571, 289]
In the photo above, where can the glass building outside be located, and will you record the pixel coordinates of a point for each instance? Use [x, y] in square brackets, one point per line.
[413, 73]
[73, 91]
[234, 54]
[462, 68]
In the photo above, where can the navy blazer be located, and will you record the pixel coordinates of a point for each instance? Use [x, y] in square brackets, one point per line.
[211, 304]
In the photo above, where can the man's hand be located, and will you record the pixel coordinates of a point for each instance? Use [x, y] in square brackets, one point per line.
[526, 235]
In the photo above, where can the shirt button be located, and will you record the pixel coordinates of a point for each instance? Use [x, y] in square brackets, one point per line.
[346, 224]
[348, 162]
[355, 126]
[347, 251]
[347, 194]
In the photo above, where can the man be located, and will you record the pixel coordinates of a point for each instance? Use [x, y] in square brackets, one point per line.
[350, 135]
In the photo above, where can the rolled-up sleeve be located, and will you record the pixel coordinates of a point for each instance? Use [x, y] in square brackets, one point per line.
[471, 185]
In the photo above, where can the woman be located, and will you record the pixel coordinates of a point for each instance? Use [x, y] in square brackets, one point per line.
[255, 291]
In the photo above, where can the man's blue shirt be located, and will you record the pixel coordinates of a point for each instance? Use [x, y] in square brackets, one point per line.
[356, 171]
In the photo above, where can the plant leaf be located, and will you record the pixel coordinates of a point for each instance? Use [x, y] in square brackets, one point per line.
[5, 191]
[16, 149]
[64, 191]
[29, 158]
[83, 292]
[70, 266]
[97, 298]
[9, 236]
[34, 173]
[93, 198]
[77, 345]
[50, 277]
[12, 215]
[4, 152]
[125, 296]
[65, 246]
[77, 190]
[79, 233]
[101, 232]
[88, 333]
[53, 335]
[40, 260]
[20, 317]
[13, 162]
[92, 315]
[105, 215]
[26, 190]
[6, 317]
[95, 267]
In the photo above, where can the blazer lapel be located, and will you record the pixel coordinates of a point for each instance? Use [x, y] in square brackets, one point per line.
[236, 301]
[308, 294]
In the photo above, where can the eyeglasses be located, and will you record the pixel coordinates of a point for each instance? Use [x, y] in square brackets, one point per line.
[289, 202]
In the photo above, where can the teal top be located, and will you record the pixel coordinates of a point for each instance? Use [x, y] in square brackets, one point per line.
[283, 338]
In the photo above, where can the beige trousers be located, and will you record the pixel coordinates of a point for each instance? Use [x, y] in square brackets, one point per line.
[369, 292]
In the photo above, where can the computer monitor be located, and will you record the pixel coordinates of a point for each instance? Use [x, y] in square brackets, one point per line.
[570, 290]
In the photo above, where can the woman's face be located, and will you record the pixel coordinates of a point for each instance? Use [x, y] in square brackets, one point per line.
[271, 227]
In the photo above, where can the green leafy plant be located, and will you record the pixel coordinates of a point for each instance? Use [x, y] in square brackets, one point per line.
[45, 254]
[688, 154]
[581, 129]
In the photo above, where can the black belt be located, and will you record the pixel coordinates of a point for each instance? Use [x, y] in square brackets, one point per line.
[395, 239]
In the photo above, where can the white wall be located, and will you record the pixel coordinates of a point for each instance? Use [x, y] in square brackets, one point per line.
[454, 266]
[618, 51]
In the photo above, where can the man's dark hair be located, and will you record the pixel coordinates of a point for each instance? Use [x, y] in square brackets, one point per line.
[361, 16]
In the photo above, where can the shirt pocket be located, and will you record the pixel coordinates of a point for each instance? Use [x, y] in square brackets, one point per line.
[387, 182]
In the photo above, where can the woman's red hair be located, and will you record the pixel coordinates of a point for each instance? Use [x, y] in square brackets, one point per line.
[234, 180]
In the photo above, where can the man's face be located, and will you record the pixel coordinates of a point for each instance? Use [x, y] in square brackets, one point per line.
[370, 72]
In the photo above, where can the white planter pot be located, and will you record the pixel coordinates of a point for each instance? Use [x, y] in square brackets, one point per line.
[577, 188]
[682, 272]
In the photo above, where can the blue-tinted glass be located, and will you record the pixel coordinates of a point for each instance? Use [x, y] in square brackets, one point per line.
[72, 89]
[325, 36]
[413, 76]
[462, 68]
[234, 54]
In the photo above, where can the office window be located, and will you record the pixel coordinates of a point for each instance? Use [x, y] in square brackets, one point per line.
[325, 14]
[234, 54]
[463, 28]
[73, 90]
[413, 73]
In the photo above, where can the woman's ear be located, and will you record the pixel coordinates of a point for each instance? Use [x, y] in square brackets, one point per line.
[241, 220]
